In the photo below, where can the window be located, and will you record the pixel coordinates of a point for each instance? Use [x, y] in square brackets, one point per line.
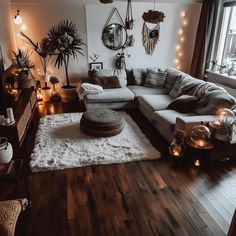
[227, 43]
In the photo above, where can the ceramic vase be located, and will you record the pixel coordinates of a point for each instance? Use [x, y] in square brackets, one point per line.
[6, 151]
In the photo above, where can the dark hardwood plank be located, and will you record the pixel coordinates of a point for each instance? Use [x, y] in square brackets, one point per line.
[160, 197]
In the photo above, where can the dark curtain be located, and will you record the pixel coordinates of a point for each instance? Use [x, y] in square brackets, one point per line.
[205, 37]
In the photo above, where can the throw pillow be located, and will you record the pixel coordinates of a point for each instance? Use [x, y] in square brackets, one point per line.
[107, 82]
[139, 76]
[122, 77]
[155, 78]
[130, 76]
[120, 74]
[9, 212]
[184, 103]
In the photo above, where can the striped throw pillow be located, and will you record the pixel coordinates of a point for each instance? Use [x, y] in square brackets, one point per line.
[155, 78]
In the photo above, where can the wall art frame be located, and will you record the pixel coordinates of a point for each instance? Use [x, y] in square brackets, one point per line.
[96, 65]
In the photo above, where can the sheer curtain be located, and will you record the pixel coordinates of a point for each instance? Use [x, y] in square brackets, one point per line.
[206, 38]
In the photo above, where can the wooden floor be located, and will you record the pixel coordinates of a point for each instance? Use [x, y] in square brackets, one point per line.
[158, 197]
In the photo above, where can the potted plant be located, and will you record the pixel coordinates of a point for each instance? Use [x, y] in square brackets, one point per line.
[65, 43]
[214, 67]
[223, 68]
[44, 52]
[22, 62]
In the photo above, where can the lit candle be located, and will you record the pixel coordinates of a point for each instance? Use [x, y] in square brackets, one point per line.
[176, 151]
[14, 91]
[40, 97]
[197, 163]
[10, 114]
[201, 143]
[217, 123]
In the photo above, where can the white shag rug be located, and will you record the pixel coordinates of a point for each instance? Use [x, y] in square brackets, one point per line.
[60, 144]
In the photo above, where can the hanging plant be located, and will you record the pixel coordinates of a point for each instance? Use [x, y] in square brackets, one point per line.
[151, 36]
[129, 21]
[153, 17]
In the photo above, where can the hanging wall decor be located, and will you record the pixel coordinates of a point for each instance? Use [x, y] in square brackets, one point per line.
[129, 21]
[114, 35]
[151, 36]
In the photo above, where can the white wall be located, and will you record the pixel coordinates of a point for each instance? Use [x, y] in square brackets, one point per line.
[6, 41]
[40, 16]
[165, 52]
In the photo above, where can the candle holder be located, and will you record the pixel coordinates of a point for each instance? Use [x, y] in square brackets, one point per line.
[223, 124]
[200, 145]
[177, 146]
[200, 137]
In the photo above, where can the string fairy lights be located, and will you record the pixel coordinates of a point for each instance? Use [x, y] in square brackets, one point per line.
[182, 39]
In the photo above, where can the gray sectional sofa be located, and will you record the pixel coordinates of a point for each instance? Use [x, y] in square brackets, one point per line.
[154, 102]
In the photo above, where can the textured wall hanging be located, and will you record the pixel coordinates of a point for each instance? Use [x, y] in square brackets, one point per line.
[151, 36]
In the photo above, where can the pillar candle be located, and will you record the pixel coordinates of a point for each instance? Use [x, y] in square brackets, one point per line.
[10, 114]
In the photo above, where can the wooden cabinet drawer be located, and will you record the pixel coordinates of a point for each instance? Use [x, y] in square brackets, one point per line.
[33, 100]
[21, 126]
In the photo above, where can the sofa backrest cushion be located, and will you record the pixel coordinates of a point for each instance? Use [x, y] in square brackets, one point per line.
[120, 74]
[155, 78]
[172, 76]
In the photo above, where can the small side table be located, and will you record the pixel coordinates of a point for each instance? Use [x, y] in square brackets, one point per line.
[200, 156]
[223, 151]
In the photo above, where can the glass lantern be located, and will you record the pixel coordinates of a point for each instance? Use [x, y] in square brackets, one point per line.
[224, 124]
[200, 136]
[176, 148]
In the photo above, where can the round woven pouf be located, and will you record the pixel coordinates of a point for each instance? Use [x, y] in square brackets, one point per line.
[102, 122]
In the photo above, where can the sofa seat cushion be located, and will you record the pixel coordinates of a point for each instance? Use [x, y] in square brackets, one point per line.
[165, 121]
[111, 95]
[155, 102]
[141, 90]
[150, 103]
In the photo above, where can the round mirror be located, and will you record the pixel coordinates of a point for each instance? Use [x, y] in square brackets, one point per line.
[114, 36]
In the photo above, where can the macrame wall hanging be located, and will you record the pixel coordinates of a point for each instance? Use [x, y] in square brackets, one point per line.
[129, 21]
[151, 36]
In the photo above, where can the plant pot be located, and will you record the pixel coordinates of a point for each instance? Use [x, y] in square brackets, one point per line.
[214, 68]
[222, 70]
[68, 94]
[46, 92]
[6, 151]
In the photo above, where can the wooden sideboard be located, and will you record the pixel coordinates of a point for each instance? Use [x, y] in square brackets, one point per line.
[23, 110]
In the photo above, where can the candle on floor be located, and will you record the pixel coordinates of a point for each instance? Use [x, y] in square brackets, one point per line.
[197, 163]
